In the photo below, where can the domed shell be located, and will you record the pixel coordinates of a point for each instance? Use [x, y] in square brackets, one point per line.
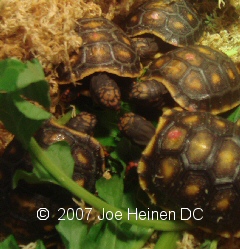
[21, 217]
[193, 162]
[199, 78]
[87, 152]
[175, 22]
[105, 48]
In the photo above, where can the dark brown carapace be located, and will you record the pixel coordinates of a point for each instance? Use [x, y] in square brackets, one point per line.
[175, 22]
[199, 78]
[193, 162]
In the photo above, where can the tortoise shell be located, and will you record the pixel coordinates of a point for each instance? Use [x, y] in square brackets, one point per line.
[87, 152]
[175, 22]
[192, 162]
[105, 48]
[21, 218]
[199, 78]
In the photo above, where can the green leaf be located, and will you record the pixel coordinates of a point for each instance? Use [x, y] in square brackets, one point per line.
[28, 109]
[107, 129]
[235, 115]
[10, 70]
[107, 132]
[125, 152]
[113, 237]
[76, 234]
[11, 108]
[66, 117]
[115, 165]
[113, 193]
[16, 74]
[126, 107]
[208, 244]
[19, 116]
[233, 51]
[107, 233]
[73, 233]
[109, 139]
[33, 73]
[40, 245]
[118, 235]
[168, 240]
[24, 175]
[60, 153]
[214, 244]
[9, 242]
[25, 78]
[38, 92]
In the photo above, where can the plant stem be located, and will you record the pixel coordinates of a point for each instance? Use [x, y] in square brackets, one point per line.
[214, 244]
[142, 240]
[168, 240]
[39, 154]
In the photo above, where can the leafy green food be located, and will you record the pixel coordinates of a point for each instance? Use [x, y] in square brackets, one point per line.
[235, 115]
[66, 117]
[60, 152]
[126, 151]
[73, 233]
[16, 75]
[9, 242]
[107, 130]
[233, 51]
[40, 245]
[22, 126]
[20, 82]
[111, 190]
[208, 244]
[106, 234]
[168, 240]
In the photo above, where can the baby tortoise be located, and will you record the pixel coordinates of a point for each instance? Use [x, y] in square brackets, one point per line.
[18, 209]
[174, 22]
[193, 162]
[198, 78]
[87, 152]
[105, 49]
[21, 220]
